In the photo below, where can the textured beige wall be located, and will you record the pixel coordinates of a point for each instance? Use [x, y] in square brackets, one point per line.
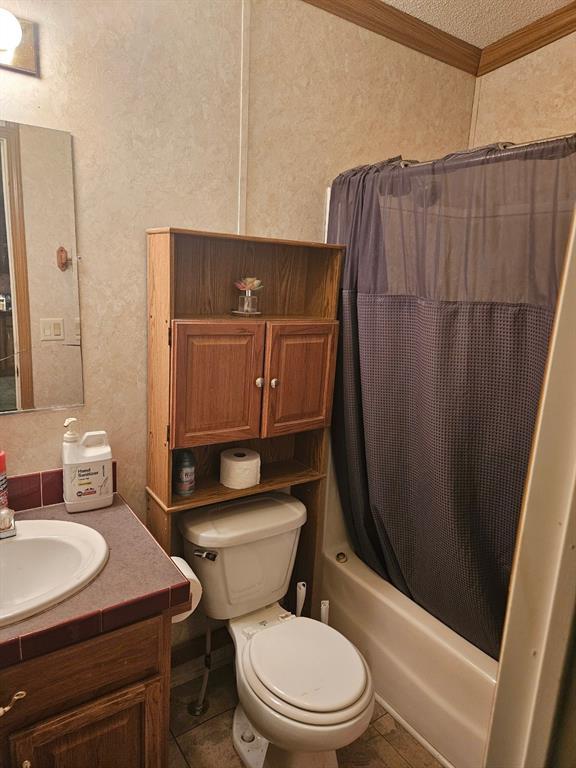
[48, 198]
[531, 98]
[149, 91]
[325, 96]
[151, 94]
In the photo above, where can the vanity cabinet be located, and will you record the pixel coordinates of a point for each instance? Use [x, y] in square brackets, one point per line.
[101, 703]
[242, 380]
[119, 730]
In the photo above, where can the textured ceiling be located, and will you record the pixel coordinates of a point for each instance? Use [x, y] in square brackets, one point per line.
[479, 22]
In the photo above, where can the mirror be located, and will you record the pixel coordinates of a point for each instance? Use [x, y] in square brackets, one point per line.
[40, 341]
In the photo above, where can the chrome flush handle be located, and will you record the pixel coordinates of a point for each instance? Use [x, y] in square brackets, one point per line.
[205, 554]
[18, 695]
[274, 383]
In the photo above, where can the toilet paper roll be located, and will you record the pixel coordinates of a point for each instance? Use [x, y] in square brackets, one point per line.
[195, 588]
[239, 468]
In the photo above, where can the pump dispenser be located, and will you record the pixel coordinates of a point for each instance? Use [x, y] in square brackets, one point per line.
[87, 463]
[71, 436]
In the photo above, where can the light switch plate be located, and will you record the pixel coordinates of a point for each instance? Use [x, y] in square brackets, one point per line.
[52, 329]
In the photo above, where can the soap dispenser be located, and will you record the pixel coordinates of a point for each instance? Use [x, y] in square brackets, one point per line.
[87, 463]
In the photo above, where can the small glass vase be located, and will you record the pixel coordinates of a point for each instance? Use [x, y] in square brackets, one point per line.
[248, 304]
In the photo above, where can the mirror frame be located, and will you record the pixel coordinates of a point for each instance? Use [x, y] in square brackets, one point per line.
[9, 133]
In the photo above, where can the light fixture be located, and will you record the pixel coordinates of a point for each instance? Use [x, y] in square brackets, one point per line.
[18, 44]
[10, 31]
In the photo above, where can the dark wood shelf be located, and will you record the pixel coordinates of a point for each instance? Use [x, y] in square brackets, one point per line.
[276, 475]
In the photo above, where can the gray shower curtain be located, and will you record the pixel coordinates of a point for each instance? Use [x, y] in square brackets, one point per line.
[448, 297]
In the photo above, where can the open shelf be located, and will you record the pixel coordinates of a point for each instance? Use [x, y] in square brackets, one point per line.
[278, 474]
[299, 279]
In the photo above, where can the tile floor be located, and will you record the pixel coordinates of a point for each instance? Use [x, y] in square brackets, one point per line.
[205, 741]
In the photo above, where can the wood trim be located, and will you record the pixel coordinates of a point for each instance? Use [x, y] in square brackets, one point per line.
[407, 30]
[10, 132]
[245, 238]
[528, 39]
[160, 300]
[158, 522]
[162, 728]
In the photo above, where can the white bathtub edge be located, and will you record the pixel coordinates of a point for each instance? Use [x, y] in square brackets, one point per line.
[407, 727]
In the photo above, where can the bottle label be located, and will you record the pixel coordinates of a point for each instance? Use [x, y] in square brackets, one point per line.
[86, 480]
[3, 490]
[185, 481]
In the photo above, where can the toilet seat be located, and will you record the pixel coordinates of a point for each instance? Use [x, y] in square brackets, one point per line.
[308, 672]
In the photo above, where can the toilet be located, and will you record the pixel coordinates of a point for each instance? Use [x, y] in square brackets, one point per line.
[304, 689]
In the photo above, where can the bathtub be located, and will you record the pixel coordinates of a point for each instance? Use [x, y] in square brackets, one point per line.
[436, 684]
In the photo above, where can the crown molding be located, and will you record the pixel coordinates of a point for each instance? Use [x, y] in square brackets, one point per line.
[528, 39]
[383, 19]
[405, 29]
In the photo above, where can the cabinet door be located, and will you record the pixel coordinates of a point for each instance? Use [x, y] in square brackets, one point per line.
[122, 730]
[216, 395]
[300, 363]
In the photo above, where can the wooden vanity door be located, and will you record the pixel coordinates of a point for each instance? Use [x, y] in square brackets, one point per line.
[299, 375]
[121, 730]
[216, 392]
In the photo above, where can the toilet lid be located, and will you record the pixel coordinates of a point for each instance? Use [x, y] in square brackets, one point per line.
[308, 665]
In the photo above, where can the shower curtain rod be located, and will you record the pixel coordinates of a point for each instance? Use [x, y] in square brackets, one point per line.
[464, 158]
[464, 155]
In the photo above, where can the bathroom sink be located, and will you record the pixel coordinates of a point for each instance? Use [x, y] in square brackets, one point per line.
[46, 562]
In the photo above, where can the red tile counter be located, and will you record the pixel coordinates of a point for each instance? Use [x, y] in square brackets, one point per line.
[138, 581]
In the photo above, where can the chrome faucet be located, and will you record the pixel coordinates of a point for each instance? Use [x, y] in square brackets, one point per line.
[7, 523]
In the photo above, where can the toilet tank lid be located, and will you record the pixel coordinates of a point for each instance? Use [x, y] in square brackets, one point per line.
[242, 521]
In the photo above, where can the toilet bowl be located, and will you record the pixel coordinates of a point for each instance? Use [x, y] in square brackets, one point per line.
[302, 685]
[304, 689]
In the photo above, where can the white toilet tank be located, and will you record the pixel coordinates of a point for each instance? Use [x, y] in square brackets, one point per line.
[243, 551]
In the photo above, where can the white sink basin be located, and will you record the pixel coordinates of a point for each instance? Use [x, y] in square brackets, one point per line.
[46, 562]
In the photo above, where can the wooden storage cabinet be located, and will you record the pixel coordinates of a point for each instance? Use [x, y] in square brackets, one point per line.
[216, 379]
[235, 381]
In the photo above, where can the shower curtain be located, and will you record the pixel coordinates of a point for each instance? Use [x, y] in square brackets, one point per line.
[450, 282]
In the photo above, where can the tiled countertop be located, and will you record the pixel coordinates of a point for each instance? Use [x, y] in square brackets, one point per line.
[138, 581]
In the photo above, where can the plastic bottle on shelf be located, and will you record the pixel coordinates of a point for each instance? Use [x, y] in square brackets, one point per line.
[184, 472]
